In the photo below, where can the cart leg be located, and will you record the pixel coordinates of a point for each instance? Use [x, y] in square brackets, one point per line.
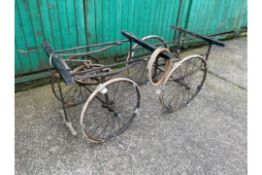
[68, 123]
[64, 113]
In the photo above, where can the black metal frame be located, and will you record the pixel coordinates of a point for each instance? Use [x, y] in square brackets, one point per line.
[70, 77]
[209, 40]
[145, 44]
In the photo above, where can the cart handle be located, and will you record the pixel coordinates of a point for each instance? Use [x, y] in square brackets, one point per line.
[59, 64]
[203, 37]
[146, 45]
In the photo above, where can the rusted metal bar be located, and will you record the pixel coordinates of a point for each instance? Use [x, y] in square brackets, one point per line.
[92, 46]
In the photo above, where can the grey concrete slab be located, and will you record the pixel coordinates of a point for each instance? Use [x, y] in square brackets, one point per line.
[229, 64]
[208, 137]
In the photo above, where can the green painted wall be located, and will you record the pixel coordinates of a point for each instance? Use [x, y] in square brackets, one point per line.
[68, 23]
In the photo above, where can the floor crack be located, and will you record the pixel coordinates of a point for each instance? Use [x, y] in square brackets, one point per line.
[218, 76]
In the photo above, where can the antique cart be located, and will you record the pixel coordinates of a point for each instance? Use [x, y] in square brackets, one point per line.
[110, 94]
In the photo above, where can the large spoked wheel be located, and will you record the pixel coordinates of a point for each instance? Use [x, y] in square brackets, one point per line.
[139, 72]
[110, 109]
[76, 93]
[183, 83]
[72, 94]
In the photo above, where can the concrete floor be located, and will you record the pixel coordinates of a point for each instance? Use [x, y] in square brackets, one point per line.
[209, 137]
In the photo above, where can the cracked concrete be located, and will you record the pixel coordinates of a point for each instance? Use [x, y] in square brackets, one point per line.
[209, 137]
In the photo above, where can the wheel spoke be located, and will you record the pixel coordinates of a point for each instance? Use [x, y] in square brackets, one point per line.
[109, 120]
[184, 83]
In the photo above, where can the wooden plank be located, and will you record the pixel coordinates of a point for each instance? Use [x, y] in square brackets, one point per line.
[64, 27]
[80, 22]
[18, 62]
[21, 45]
[173, 18]
[46, 23]
[91, 21]
[112, 21]
[54, 24]
[118, 25]
[37, 32]
[124, 26]
[106, 20]
[28, 31]
[71, 19]
[31, 77]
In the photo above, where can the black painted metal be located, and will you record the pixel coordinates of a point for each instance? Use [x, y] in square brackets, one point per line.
[146, 45]
[203, 37]
[59, 64]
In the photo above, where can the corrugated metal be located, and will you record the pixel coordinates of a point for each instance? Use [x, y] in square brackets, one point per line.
[68, 23]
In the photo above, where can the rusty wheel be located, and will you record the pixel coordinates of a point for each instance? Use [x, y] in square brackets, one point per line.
[110, 109]
[72, 94]
[183, 83]
[139, 73]
[158, 67]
